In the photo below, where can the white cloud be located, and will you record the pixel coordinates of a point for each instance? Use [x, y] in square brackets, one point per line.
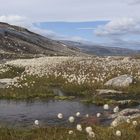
[134, 2]
[86, 28]
[122, 32]
[123, 26]
[125, 44]
[69, 10]
[25, 22]
[43, 32]
[14, 19]
[26, 12]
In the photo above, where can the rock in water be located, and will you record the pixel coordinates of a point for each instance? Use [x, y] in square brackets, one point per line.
[120, 81]
[107, 91]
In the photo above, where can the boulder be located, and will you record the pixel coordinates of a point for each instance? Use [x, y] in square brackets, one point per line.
[123, 103]
[123, 115]
[6, 82]
[120, 81]
[107, 91]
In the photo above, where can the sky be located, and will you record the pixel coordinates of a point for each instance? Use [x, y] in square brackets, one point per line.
[105, 22]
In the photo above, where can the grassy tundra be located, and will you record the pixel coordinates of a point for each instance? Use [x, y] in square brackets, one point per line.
[128, 132]
[76, 77]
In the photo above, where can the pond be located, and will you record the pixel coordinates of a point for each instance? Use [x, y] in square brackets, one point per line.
[23, 114]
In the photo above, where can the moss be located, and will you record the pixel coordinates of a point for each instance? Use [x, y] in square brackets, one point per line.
[98, 101]
[64, 97]
[74, 89]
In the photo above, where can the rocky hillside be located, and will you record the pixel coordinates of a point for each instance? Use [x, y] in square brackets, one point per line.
[19, 42]
[101, 50]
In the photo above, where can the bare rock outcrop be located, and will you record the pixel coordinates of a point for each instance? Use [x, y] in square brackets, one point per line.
[120, 81]
[6, 82]
[123, 115]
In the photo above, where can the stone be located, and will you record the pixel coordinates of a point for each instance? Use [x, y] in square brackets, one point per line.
[120, 81]
[128, 103]
[123, 115]
[6, 82]
[123, 102]
[107, 91]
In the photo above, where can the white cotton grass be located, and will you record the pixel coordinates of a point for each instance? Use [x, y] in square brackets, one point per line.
[106, 107]
[71, 119]
[88, 129]
[114, 124]
[98, 115]
[87, 115]
[79, 127]
[91, 134]
[44, 66]
[77, 114]
[70, 132]
[134, 123]
[60, 115]
[118, 133]
[128, 121]
[116, 109]
[36, 122]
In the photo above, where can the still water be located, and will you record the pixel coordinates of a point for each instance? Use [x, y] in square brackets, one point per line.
[23, 114]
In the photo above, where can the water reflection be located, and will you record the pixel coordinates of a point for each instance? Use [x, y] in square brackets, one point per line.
[23, 113]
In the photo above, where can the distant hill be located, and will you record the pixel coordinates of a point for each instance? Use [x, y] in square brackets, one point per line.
[101, 50]
[20, 42]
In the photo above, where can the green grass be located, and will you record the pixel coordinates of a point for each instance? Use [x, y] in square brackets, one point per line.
[11, 72]
[134, 88]
[64, 97]
[42, 87]
[98, 101]
[37, 90]
[129, 132]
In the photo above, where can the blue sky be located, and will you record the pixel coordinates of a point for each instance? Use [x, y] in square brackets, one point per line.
[104, 22]
[82, 30]
[87, 32]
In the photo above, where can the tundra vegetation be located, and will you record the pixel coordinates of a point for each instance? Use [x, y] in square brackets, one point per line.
[125, 131]
[76, 77]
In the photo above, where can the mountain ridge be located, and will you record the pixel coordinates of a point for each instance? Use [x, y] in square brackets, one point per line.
[101, 50]
[19, 40]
